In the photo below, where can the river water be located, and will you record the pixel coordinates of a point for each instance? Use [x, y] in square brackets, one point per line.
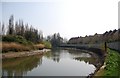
[58, 62]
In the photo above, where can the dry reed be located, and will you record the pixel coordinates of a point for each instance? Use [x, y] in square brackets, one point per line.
[13, 47]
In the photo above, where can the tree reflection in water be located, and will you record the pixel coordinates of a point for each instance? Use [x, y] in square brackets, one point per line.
[78, 55]
[63, 61]
[20, 66]
[86, 56]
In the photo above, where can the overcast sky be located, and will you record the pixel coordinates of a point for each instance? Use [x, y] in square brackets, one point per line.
[70, 18]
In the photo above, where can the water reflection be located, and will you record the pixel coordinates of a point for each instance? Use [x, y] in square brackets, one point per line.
[85, 56]
[78, 55]
[20, 66]
[58, 62]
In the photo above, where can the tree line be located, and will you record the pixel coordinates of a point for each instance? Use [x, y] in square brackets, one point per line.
[21, 29]
[55, 39]
[30, 33]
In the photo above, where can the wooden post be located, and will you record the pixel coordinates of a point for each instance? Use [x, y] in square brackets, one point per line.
[105, 47]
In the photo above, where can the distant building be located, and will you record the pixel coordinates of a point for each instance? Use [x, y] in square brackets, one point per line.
[108, 36]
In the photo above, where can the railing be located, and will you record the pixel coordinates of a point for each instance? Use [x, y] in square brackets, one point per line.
[112, 45]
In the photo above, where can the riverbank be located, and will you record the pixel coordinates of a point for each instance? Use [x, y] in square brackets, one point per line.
[16, 43]
[23, 54]
[17, 47]
[111, 65]
[101, 55]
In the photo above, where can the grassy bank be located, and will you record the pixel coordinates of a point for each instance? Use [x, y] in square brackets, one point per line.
[12, 46]
[17, 47]
[112, 65]
[18, 43]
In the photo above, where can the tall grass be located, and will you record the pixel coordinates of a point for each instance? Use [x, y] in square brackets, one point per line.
[39, 46]
[19, 43]
[12, 46]
[17, 47]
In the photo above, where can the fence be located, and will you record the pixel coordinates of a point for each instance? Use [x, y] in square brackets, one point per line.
[112, 45]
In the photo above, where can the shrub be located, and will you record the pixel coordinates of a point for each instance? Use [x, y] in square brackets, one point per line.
[47, 44]
[17, 39]
[8, 38]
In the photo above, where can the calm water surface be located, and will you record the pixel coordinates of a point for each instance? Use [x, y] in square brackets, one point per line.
[55, 63]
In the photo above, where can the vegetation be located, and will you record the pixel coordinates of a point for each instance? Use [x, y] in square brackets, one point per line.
[20, 29]
[18, 36]
[17, 39]
[39, 46]
[6, 47]
[112, 64]
[47, 44]
[18, 43]
[56, 40]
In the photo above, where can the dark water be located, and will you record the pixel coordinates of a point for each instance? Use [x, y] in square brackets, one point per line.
[55, 63]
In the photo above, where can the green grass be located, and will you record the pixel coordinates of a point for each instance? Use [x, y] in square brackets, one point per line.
[47, 44]
[112, 64]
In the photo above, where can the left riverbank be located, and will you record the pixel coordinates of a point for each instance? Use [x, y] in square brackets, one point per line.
[13, 46]
[23, 54]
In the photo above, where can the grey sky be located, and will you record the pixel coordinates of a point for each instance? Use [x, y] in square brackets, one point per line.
[68, 17]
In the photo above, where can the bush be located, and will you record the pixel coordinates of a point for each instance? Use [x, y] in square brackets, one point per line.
[47, 44]
[8, 38]
[18, 39]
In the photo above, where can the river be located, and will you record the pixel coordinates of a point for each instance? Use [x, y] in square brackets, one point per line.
[58, 62]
